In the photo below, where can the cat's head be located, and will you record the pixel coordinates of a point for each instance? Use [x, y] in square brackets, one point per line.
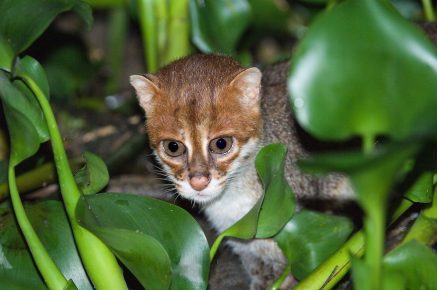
[203, 121]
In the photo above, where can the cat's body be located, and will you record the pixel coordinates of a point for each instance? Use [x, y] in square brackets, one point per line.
[220, 115]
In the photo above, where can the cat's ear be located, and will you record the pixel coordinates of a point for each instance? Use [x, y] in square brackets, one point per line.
[145, 89]
[249, 83]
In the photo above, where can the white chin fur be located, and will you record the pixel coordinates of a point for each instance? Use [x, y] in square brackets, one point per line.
[211, 192]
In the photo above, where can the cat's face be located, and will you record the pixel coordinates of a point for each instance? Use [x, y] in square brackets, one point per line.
[203, 121]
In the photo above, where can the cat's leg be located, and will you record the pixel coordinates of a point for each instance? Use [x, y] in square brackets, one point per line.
[263, 261]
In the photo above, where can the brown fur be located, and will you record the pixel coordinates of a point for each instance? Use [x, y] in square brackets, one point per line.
[210, 106]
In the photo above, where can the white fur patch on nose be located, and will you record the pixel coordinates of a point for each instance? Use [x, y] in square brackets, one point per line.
[199, 182]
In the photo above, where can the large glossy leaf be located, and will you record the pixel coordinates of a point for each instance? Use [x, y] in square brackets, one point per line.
[93, 176]
[26, 124]
[362, 69]
[17, 269]
[23, 21]
[217, 25]
[279, 200]
[310, 237]
[159, 242]
[275, 208]
[415, 263]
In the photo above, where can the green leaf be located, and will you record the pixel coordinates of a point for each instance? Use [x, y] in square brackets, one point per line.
[129, 245]
[30, 67]
[372, 175]
[93, 176]
[217, 25]
[272, 15]
[124, 221]
[362, 62]
[70, 285]
[422, 189]
[408, 9]
[360, 274]
[26, 124]
[309, 238]
[50, 222]
[6, 55]
[273, 210]
[416, 263]
[23, 21]
[279, 201]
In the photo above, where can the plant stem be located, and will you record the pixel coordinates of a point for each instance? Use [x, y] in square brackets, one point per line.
[335, 267]
[281, 278]
[35, 178]
[428, 10]
[49, 270]
[424, 228]
[146, 14]
[368, 143]
[178, 31]
[99, 262]
[431, 211]
[161, 12]
[117, 38]
[327, 274]
[215, 246]
[31, 180]
[374, 229]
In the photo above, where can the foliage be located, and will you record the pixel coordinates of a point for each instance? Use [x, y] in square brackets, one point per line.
[143, 232]
[391, 94]
[324, 82]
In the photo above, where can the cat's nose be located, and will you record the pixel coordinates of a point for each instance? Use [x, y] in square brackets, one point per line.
[199, 182]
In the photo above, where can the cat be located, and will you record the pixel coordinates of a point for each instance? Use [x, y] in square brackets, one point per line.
[207, 117]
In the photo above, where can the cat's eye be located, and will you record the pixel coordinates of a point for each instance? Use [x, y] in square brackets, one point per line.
[220, 145]
[173, 148]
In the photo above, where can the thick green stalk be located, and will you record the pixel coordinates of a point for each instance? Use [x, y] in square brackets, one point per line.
[161, 12]
[178, 44]
[431, 211]
[31, 180]
[374, 229]
[428, 10]
[147, 18]
[35, 178]
[331, 271]
[368, 143]
[424, 228]
[49, 270]
[117, 38]
[100, 263]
